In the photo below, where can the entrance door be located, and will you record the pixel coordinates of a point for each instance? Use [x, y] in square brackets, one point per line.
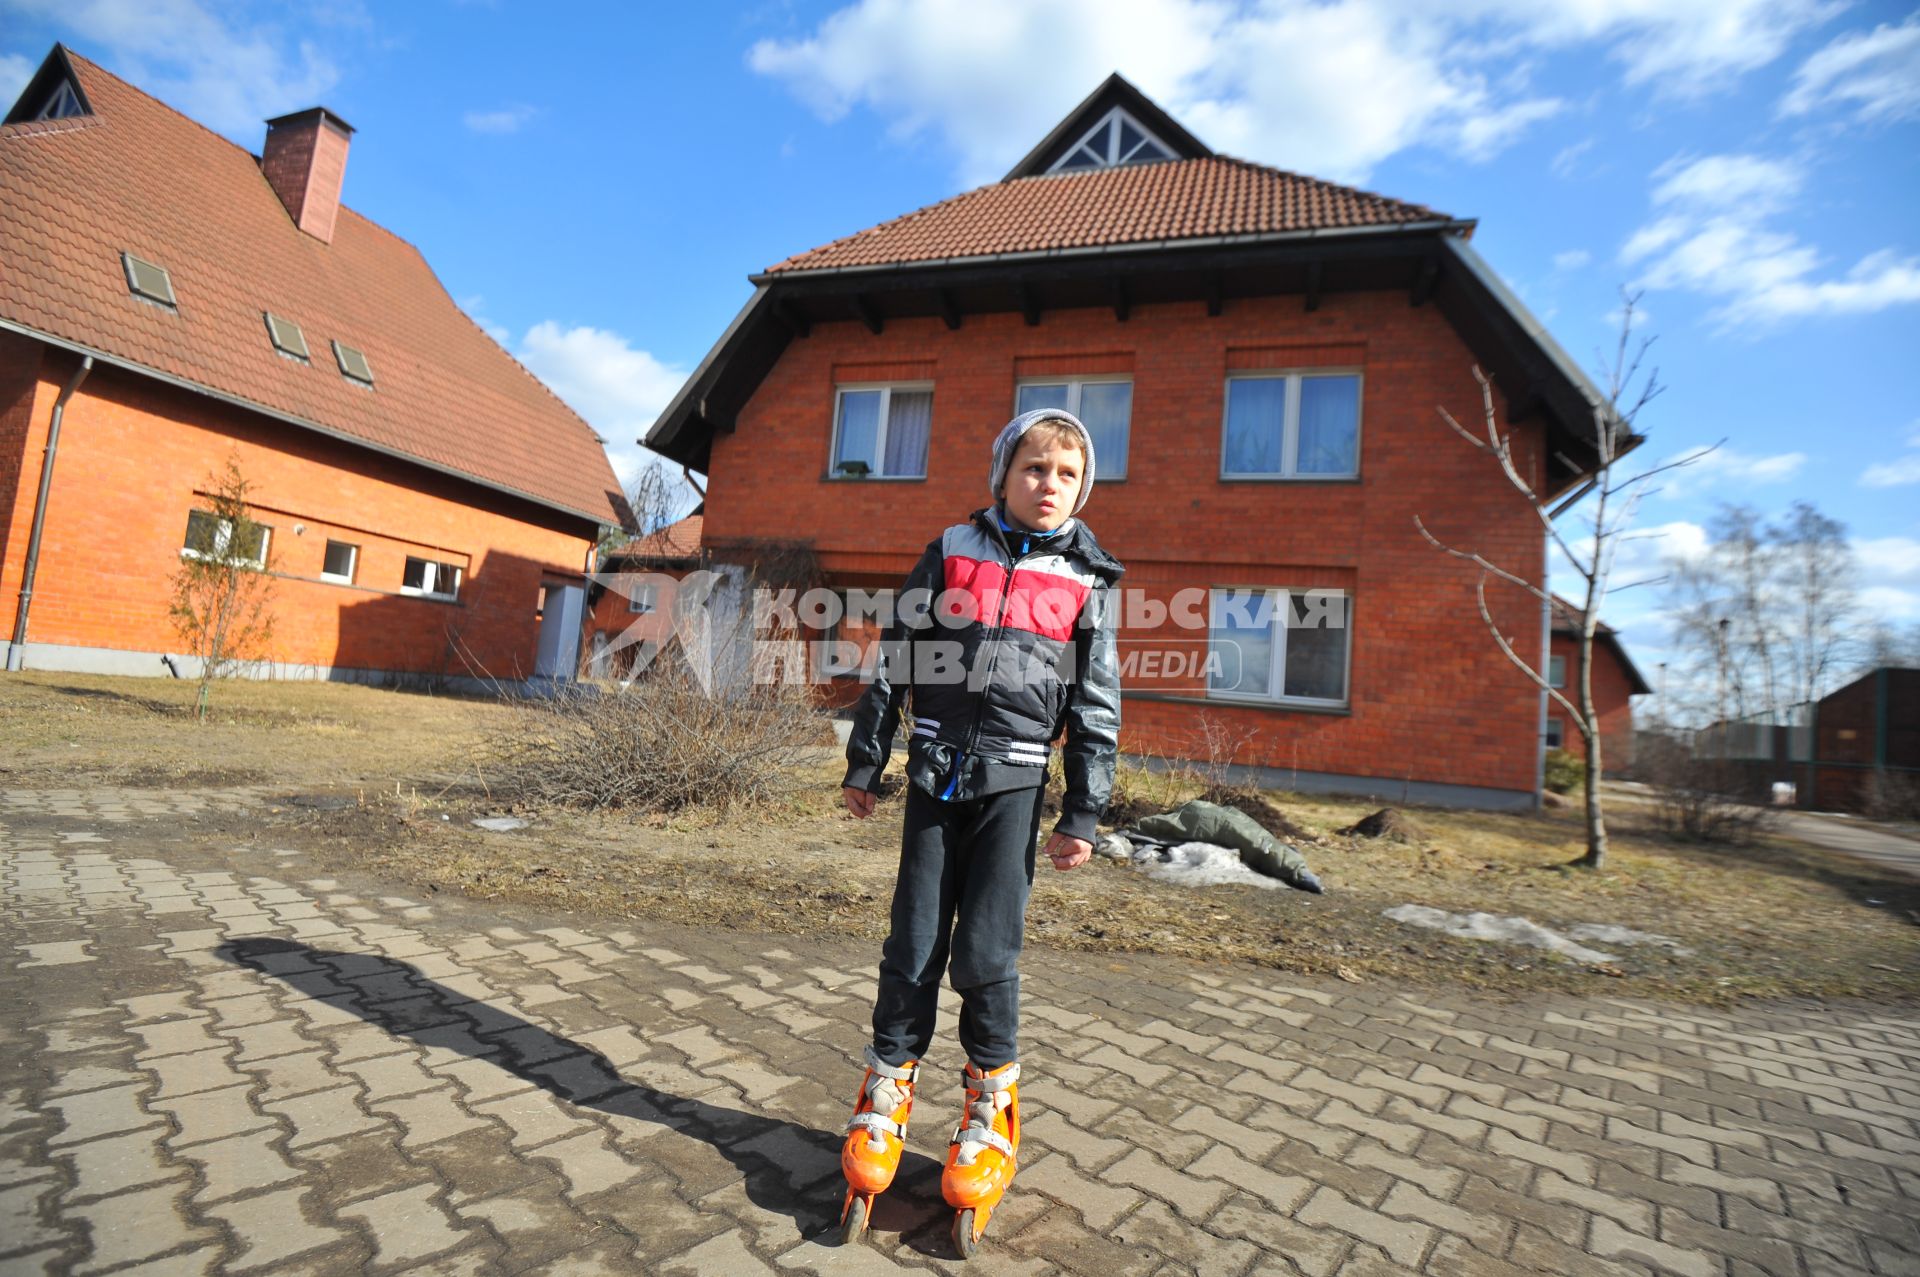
[558, 656]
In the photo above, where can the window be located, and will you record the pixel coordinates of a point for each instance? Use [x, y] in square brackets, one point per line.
[63, 104]
[353, 364]
[1279, 645]
[342, 558]
[880, 432]
[210, 537]
[1292, 426]
[148, 281]
[1556, 671]
[1105, 407]
[1555, 731]
[1117, 139]
[644, 599]
[286, 337]
[431, 579]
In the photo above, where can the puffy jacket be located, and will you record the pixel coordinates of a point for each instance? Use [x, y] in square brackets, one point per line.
[1017, 645]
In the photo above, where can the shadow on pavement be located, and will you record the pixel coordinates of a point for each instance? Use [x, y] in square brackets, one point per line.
[805, 1185]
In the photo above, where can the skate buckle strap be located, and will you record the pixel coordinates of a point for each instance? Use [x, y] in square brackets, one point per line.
[904, 1073]
[871, 1121]
[963, 1135]
[998, 1082]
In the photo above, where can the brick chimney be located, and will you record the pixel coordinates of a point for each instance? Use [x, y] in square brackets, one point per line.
[305, 161]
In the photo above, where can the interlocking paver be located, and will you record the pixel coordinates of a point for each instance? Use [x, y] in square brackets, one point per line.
[326, 1077]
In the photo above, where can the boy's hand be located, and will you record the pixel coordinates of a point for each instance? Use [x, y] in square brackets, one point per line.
[858, 801]
[1068, 852]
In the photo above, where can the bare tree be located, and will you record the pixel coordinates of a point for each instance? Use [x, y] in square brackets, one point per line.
[1614, 502]
[1817, 567]
[654, 500]
[221, 592]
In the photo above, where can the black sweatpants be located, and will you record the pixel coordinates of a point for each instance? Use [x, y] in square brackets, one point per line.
[966, 870]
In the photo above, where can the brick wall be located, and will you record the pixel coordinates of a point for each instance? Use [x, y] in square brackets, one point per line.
[1431, 699]
[1611, 697]
[137, 455]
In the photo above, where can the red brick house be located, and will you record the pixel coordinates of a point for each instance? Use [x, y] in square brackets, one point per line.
[168, 301]
[624, 617]
[1260, 356]
[1615, 682]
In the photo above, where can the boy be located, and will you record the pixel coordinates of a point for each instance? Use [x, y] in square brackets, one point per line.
[1019, 643]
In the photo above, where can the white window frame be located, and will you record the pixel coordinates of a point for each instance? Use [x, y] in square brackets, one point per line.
[1112, 159]
[1073, 384]
[644, 599]
[886, 389]
[1557, 670]
[353, 563]
[1290, 425]
[1277, 671]
[223, 533]
[1556, 734]
[432, 589]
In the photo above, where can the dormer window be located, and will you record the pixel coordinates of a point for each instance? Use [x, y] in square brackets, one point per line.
[353, 364]
[148, 281]
[63, 104]
[1117, 139]
[287, 337]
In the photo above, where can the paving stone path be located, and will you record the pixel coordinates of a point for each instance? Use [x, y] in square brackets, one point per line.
[223, 1062]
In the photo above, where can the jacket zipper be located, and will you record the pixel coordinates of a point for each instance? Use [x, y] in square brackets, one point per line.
[993, 658]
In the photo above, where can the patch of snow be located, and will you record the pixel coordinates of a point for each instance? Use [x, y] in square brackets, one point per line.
[1198, 864]
[1487, 926]
[1608, 933]
[501, 824]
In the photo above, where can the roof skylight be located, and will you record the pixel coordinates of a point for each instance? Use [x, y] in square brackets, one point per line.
[1117, 139]
[287, 337]
[148, 280]
[62, 104]
[353, 364]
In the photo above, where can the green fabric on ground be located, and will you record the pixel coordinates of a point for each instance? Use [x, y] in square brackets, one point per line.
[1201, 821]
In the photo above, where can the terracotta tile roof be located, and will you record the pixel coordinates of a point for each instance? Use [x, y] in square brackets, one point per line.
[680, 540]
[137, 176]
[1137, 204]
[1566, 618]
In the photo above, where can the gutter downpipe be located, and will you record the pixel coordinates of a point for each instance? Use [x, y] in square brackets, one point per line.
[17, 649]
[1546, 701]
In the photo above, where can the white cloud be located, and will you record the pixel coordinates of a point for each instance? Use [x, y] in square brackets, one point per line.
[15, 71]
[1888, 560]
[1571, 260]
[1330, 87]
[618, 390]
[1886, 603]
[1724, 467]
[1566, 161]
[1711, 235]
[1874, 73]
[1892, 474]
[231, 77]
[508, 119]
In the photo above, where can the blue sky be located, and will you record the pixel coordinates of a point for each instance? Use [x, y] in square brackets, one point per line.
[594, 182]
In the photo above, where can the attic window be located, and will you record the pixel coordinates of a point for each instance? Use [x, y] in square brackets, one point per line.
[62, 104]
[148, 281]
[353, 364]
[1117, 139]
[287, 337]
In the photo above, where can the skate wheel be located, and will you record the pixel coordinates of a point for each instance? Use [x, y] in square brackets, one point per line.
[965, 1241]
[853, 1220]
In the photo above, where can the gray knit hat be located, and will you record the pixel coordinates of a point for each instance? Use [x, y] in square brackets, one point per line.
[1009, 443]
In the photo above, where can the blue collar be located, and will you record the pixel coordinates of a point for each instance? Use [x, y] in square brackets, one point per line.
[1027, 535]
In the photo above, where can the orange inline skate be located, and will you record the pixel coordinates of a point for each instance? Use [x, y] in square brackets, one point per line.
[876, 1136]
[984, 1153]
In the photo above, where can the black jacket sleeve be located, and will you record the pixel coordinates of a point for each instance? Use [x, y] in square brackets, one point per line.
[877, 715]
[1093, 718]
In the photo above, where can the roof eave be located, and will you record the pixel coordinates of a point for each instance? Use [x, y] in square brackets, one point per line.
[292, 419]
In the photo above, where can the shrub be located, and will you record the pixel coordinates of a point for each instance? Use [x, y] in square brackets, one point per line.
[1566, 771]
[662, 743]
[1699, 800]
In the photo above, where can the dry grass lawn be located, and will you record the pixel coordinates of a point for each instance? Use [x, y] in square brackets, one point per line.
[1777, 919]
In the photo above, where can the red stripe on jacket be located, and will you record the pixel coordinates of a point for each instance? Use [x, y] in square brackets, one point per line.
[1043, 603]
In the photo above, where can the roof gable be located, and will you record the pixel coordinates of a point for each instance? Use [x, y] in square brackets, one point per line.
[54, 92]
[139, 178]
[1115, 94]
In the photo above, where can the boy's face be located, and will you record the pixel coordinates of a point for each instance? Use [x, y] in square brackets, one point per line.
[1043, 483]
